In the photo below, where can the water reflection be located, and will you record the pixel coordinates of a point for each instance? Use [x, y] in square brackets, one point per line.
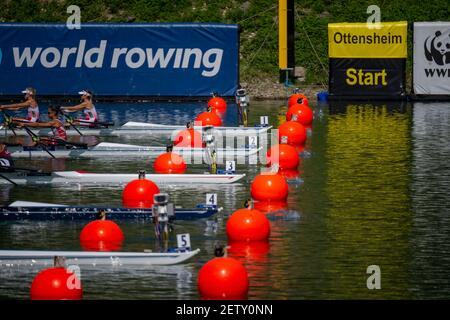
[342, 107]
[254, 256]
[374, 190]
[430, 191]
[369, 218]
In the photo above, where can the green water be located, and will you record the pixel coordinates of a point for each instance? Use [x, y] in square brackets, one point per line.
[375, 191]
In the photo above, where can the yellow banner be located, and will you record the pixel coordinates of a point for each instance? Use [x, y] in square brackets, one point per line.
[362, 40]
[282, 34]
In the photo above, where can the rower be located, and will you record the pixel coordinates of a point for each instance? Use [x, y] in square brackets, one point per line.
[243, 103]
[88, 108]
[29, 103]
[57, 126]
[162, 214]
[5, 157]
[211, 152]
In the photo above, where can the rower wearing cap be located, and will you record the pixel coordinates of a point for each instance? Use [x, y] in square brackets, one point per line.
[30, 103]
[5, 157]
[57, 126]
[88, 108]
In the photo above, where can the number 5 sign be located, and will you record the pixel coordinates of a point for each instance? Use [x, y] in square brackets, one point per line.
[184, 240]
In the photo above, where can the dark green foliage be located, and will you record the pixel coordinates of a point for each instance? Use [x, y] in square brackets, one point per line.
[258, 19]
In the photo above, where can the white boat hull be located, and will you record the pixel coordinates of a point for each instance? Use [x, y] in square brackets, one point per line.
[107, 149]
[46, 258]
[75, 177]
[146, 129]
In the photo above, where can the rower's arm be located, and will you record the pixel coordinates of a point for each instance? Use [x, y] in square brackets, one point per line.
[48, 124]
[76, 108]
[15, 106]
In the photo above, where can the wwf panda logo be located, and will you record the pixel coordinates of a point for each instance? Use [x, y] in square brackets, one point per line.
[437, 48]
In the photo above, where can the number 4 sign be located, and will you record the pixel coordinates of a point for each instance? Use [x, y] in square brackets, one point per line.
[211, 199]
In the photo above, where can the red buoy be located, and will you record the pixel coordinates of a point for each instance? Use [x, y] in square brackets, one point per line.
[217, 104]
[223, 279]
[302, 114]
[209, 119]
[269, 187]
[139, 193]
[101, 235]
[294, 132]
[248, 225]
[188, 138]
[168, 163]
[284, 155]
[56, 284]
[297, 98]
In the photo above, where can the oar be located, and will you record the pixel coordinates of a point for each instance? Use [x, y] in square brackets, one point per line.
[12, 144]
[36, 139]
[8, 179]
[70, 122]
[8, 122]
[13, 169]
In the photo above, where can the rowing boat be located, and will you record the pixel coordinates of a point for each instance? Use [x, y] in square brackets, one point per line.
[145, 129]
[164, 129]
[107, 149]
[86, 178]
[24, 210]
[46, 258]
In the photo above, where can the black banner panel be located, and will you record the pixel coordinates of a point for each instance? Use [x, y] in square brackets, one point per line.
[367, 77]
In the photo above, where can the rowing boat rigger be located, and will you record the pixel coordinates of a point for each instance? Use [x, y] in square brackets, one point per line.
[24, 210]
[85, 178]
[140, 129]
[161, 214]
[46, 258]
[107, 149]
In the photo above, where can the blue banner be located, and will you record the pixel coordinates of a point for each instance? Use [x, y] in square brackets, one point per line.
[173, 59]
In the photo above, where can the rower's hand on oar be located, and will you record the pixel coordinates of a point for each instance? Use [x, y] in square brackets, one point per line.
[69, 118]
[71, 122]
